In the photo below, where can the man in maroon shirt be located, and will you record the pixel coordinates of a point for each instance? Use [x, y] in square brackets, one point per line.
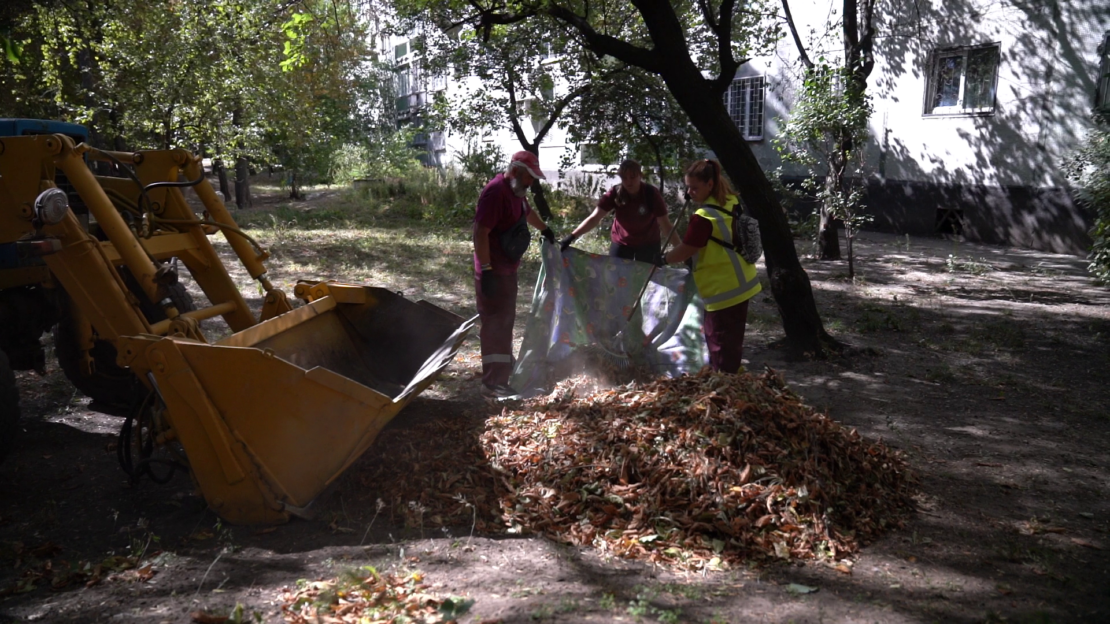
[500, 239]
[640, 221]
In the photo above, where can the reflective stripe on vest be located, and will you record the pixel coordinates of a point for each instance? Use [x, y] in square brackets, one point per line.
[497, 358]
[721, 289]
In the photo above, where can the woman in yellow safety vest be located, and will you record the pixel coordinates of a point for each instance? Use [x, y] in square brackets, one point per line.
[725, 280]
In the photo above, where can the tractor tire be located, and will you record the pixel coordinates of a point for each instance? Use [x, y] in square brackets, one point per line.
[110, 385]
[9, 407]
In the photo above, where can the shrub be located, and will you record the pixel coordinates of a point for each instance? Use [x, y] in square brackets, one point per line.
[389, 158]
[1088, 169]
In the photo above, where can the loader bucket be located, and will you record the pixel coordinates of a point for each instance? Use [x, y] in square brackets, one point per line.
[271, 415]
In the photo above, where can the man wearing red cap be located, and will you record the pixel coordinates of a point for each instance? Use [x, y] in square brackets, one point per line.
[500, 238]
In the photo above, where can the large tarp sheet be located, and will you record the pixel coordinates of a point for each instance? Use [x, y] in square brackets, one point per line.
[579, 311]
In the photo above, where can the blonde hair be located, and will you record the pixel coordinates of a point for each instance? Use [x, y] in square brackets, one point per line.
[709, 171]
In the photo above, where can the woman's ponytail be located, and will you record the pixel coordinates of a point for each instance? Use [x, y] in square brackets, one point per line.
[709, 171]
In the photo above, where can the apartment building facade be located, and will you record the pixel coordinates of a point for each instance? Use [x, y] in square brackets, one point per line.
[976, 105]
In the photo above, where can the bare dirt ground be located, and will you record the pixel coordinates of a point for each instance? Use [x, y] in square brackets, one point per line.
[987, 366]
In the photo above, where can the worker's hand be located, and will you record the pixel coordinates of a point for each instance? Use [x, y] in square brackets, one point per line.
[548, 235]
[490, 284]
[660, 259]
[566, 242]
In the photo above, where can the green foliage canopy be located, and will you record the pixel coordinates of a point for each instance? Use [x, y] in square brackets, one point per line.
[265, 79]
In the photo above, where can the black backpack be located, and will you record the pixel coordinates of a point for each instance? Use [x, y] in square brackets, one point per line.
[745, 235]
[515, 240]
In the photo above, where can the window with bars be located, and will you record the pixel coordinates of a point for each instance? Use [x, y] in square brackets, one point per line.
[1102, 87]
[744, 100]
[963, 81]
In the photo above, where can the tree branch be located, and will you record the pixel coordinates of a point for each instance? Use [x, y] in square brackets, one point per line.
[797, 40]
[729, 65]
[488, 18]
[707, 14]
[558, 110]
[654, 145]
[514, 116]
[605, 45]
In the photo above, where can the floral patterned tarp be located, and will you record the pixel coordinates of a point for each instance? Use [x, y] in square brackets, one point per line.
[580, 305]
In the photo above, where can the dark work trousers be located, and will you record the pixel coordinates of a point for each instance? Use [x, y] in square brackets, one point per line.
[640, 253]
[724, 335]
[497, 313]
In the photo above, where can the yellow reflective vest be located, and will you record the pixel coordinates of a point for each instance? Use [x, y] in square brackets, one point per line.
[723, 278]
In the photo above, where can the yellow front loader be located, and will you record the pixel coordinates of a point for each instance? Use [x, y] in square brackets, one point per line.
[263, 419]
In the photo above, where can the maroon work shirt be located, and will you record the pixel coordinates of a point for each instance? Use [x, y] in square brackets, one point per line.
[634, 222]
[498, 209]
[698, 232]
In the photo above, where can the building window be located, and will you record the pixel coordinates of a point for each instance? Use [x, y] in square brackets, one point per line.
[591, 154]
[404, 81]
[963, 81]
[1102, 87]
[744, 100]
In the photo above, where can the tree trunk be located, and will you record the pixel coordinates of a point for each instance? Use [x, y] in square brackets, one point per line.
[221, 175]
[828, 237]
[540, 200]
[295, 186]
[850, 234]
[789, 282]
[242, 182]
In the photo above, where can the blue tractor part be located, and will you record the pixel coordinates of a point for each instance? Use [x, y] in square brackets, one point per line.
[23, 127]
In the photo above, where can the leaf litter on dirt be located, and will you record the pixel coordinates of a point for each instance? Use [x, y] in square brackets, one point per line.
[41, 567]
[365, 595]
[700, 471]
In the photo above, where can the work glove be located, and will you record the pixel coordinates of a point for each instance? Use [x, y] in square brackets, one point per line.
[566, 242]
[490, 284]
[660, 259]
[548, 235]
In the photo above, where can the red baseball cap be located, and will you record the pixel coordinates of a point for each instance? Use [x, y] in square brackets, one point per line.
[528, 161]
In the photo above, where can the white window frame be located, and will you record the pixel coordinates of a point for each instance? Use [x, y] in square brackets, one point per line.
[933, 79]
[1102, 85]
[746, 100]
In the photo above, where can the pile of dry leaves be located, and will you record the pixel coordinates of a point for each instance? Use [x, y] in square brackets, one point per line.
[367, 596]
[697, 471]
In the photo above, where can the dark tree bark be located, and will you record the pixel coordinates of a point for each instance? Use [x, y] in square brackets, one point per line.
[828, 236]
[221, 175]
[242, 183]
[295, 186]
[242, 169]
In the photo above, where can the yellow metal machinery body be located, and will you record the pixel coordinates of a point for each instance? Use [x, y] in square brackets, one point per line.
[270, 415]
